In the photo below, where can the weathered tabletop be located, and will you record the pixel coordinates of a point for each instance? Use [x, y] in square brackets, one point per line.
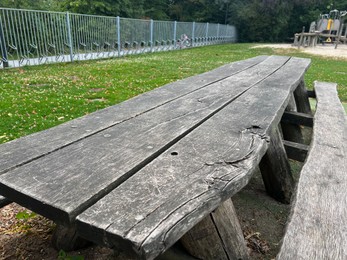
[140, 173]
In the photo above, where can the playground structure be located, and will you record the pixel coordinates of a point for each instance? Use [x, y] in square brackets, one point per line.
[329, 29]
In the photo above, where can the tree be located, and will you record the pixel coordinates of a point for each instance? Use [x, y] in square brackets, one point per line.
[256, 20]
[50, 5]
[123, 8]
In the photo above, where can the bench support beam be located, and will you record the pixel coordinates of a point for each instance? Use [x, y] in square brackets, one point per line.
[218, 236]
[296, 151]
[297, 118]
[291, 131]
[275, 170]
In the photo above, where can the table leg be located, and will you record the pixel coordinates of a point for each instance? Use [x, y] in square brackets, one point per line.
[218, 236]
[301, 99]
[292, 132]
[275, 169]
[66, 238]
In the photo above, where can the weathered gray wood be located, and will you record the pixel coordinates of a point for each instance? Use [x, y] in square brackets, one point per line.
[4, 201]
[301, 99]
[66, 238]
[60, 185]
[29, 148]
[296, 151]
[297, 118]
[317, 227]
[152, 209]
[275, 170]
[291, 132]
[218, 236]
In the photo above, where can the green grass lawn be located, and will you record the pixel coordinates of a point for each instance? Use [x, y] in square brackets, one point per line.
[38, 97]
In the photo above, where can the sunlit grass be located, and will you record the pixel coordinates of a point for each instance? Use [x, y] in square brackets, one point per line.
[38, 97]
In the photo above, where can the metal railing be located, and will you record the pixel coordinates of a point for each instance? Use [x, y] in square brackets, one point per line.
[29, 37]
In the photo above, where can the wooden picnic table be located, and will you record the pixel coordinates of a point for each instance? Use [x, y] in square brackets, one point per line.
[140, 174]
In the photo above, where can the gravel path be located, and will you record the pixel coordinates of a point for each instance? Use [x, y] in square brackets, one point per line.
[322, 50]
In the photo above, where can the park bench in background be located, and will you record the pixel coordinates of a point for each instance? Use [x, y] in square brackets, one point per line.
[162, 166]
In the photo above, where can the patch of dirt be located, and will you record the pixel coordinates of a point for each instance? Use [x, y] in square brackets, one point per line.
[30, 238]
[262, 219]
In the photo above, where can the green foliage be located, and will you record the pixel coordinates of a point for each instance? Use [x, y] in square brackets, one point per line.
[123, 8]
[25, 215]
[277, 20]
[52, 5]
[62, 255]
[256, 20]
[38, 97]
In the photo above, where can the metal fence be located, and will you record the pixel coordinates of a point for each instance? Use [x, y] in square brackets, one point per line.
[30, 37]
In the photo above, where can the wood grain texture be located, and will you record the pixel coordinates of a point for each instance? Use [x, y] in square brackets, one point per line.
[218, 236]
[203, 241]
[317, 227]
[62, 184]
[4, 201]
[29, 148]
[152, 209]
[229, 229]
[275, 169]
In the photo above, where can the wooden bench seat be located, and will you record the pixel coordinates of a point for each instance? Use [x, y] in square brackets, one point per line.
[317, 228]
[141, 174]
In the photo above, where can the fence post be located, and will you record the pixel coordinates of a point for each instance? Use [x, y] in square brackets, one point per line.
[69, 36]
[175, 30]
[228, 34]
[151, 34]
[3, 46]
[218, 33]
[118, 35]
[193, 34]
[206, 41]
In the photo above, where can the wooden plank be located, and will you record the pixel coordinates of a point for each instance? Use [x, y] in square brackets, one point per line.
[275, 170]
[151, 210]
[317, 226]
[4, 201]
[62, 184]
[296, 151]
[29, 148]
[297, 118]
[218, 236]
[301, 99]
[291, 131]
